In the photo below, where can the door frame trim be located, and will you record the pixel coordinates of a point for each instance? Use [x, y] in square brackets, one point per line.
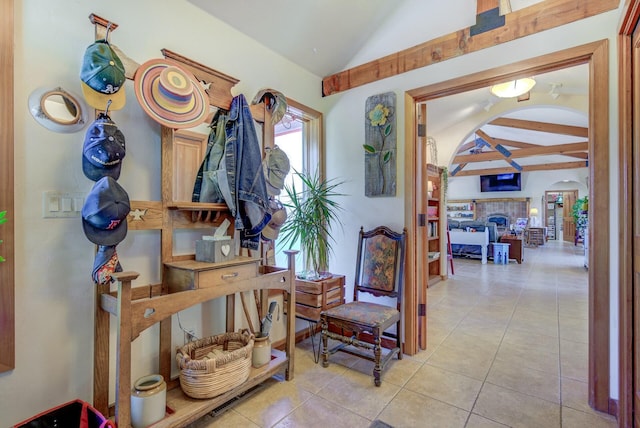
[596, 55]
[630, 18]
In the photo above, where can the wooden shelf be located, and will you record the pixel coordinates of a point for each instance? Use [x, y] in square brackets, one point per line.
[186, 410]
[135, 316]
[436, 219]
[197, 206]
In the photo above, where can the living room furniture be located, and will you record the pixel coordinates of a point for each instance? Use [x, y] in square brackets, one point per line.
[500, 253]
[535, 236]
[313, 297]
[463, 209]
[364, 324]
[516, 247]
[479, 238]
[450, 253]
[436, 226]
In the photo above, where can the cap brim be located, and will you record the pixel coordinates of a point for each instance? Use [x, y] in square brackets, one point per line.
[146, 74]
[94, 173]
[105, 237]
[99, 100]
[270, 233]
[104, 266]
[273, 191]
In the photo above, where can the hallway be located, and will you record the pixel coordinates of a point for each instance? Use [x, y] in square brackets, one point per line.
[507, 346]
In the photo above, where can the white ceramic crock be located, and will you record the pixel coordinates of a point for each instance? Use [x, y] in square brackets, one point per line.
[261, 351]
[148, 400]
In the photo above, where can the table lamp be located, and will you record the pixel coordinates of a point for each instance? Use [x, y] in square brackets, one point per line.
[430, 188]
[534, 216]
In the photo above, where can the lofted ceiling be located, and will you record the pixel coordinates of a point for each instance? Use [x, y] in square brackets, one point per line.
[324, 37]
[537, 134]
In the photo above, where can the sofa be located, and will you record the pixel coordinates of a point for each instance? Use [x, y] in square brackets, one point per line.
[478, 226]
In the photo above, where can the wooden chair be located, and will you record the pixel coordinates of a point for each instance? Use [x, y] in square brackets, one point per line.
[363, 324]
[450, 253]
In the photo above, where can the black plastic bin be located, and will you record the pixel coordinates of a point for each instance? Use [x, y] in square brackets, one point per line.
[74, 414]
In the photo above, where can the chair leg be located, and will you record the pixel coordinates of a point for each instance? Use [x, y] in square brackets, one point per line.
[325, 343]
[377, 368]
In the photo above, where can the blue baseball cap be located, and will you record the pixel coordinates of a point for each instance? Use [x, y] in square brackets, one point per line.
[105, 211]
[103, 149]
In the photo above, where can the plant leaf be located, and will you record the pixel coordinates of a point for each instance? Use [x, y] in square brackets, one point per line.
[387, 157]
[368, 148]
[387, 130]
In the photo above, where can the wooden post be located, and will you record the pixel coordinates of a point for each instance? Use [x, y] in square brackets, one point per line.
[291, 312]
[123, 345]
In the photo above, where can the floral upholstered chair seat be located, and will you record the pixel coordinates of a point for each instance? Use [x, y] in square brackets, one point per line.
[364, 324]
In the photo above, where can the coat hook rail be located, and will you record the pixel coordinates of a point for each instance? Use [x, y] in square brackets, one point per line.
[98, 20]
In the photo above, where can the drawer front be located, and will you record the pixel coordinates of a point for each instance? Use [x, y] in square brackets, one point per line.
[316, 299]
[312, 313]
[315, 287]
[225, 275]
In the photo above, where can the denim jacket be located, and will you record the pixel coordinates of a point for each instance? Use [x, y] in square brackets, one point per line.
[242, 180]
[206, 187]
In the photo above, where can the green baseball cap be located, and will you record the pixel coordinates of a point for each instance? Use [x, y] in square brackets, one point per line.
[103, 77]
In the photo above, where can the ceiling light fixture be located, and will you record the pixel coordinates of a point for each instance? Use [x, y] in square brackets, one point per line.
[513, 88]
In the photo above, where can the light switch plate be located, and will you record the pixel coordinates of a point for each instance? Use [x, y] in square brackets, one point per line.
[62, 204]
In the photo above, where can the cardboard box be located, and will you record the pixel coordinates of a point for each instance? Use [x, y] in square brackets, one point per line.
[211, 251]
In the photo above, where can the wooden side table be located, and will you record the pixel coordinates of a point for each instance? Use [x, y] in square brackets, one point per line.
[516, 247]
[535, 236]
[313, 297]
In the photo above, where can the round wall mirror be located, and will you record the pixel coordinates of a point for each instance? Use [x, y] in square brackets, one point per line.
[58, 110]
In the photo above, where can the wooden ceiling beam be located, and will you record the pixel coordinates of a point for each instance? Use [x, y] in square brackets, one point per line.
[525, 168]
[521, 23]
[552, 128]
[558, 149]
[520, 145]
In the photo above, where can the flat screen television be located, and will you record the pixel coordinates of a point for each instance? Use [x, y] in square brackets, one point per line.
[509, 182]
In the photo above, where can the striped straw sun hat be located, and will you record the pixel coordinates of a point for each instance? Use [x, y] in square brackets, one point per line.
[170, 95]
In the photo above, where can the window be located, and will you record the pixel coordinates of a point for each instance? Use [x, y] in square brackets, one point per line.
[299, 135]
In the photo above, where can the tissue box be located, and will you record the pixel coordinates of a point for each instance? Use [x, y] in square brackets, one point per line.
[215, 251]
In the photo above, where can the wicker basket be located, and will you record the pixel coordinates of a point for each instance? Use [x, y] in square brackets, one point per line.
[214, 365]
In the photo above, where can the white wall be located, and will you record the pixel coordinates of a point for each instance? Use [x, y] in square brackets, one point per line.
[345, 129]
[54, 292]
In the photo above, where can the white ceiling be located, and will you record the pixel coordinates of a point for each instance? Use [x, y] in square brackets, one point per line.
[320, 36]
[323, 36]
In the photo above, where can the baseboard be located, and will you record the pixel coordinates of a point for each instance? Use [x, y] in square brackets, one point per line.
[300, 336]
[613, 407]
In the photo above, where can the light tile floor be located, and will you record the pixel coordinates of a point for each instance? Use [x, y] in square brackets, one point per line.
[507, 346]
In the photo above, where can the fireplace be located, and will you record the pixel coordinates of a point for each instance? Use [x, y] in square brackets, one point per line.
[502, 220]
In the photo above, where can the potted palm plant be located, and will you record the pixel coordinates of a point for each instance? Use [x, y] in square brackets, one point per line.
[312, 214]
